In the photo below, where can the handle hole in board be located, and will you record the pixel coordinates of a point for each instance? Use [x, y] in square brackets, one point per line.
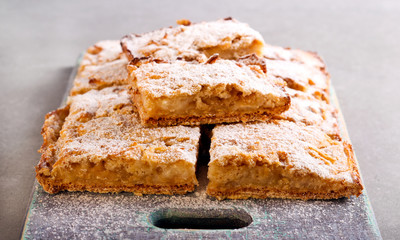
[174, 218]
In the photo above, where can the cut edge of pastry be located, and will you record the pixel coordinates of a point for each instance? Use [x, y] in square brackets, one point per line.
[200, 120]
[355, 189]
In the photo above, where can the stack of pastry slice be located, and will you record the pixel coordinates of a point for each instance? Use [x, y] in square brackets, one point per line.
[132, 121]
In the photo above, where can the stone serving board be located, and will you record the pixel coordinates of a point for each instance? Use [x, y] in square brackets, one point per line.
[84, 215]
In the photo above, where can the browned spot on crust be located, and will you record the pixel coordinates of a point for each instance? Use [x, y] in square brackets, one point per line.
[253, 59]
[143, 60]
[212, 59]
[184, 22]
[282, 157]
[93, 81]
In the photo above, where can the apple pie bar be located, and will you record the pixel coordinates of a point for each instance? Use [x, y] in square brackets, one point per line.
[96, 143]
[195, 42]
[216, 91]
[280, 159]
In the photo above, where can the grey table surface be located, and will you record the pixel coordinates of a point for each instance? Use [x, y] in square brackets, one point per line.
[40, 41]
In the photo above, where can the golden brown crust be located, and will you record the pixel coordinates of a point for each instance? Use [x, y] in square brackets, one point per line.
[51, 132]
[197, 121]
[262, 193]
[348, 149]
[52, 187]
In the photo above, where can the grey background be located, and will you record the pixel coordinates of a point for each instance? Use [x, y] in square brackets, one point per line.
[359, 40]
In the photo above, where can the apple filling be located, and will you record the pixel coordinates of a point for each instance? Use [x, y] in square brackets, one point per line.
[232, 179]
[124, 173]
[207, 103]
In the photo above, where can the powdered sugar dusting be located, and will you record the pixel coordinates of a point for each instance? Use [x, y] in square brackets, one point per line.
[264, 141]
[102, 52]
[183, 78]
[105, 123]
[308, 110]
[300, 74]
[112, 73]
[189, 41]
[295, 55]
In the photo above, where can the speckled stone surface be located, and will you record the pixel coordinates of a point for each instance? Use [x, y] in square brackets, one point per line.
[126, 216]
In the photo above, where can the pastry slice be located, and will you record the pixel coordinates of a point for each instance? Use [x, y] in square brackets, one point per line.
[213, 92]
[113, 73]
[280, 159]
[305, 108]
[227, 37]
[101, 52]
[97, 144]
